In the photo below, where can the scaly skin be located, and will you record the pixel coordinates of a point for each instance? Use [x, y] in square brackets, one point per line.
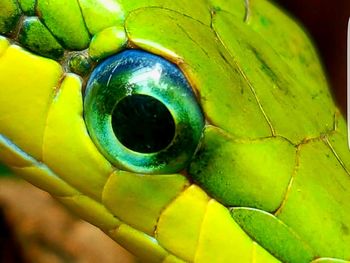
[270, 181]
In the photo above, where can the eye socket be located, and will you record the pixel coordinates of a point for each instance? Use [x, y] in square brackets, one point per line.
[142, 114]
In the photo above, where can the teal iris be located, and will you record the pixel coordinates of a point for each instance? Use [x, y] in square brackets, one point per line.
[142, 113]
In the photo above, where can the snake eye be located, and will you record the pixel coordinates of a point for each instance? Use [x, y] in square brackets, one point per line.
[142, 113]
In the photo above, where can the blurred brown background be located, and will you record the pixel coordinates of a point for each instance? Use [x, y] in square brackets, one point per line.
[326, 21]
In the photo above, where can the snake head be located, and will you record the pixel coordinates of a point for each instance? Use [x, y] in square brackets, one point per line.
[198, 131]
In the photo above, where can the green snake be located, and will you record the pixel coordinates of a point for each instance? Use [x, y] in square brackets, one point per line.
[188, 131]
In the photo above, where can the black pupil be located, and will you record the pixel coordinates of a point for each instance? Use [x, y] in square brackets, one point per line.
[143, 124]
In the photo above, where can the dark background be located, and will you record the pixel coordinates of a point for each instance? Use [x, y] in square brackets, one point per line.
[326, 21]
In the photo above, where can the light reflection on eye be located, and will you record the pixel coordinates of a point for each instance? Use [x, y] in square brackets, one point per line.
[142, 113]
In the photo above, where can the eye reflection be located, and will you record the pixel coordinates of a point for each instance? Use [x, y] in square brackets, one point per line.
[142, 114]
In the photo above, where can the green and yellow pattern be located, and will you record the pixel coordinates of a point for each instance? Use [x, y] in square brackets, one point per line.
[270, 180]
